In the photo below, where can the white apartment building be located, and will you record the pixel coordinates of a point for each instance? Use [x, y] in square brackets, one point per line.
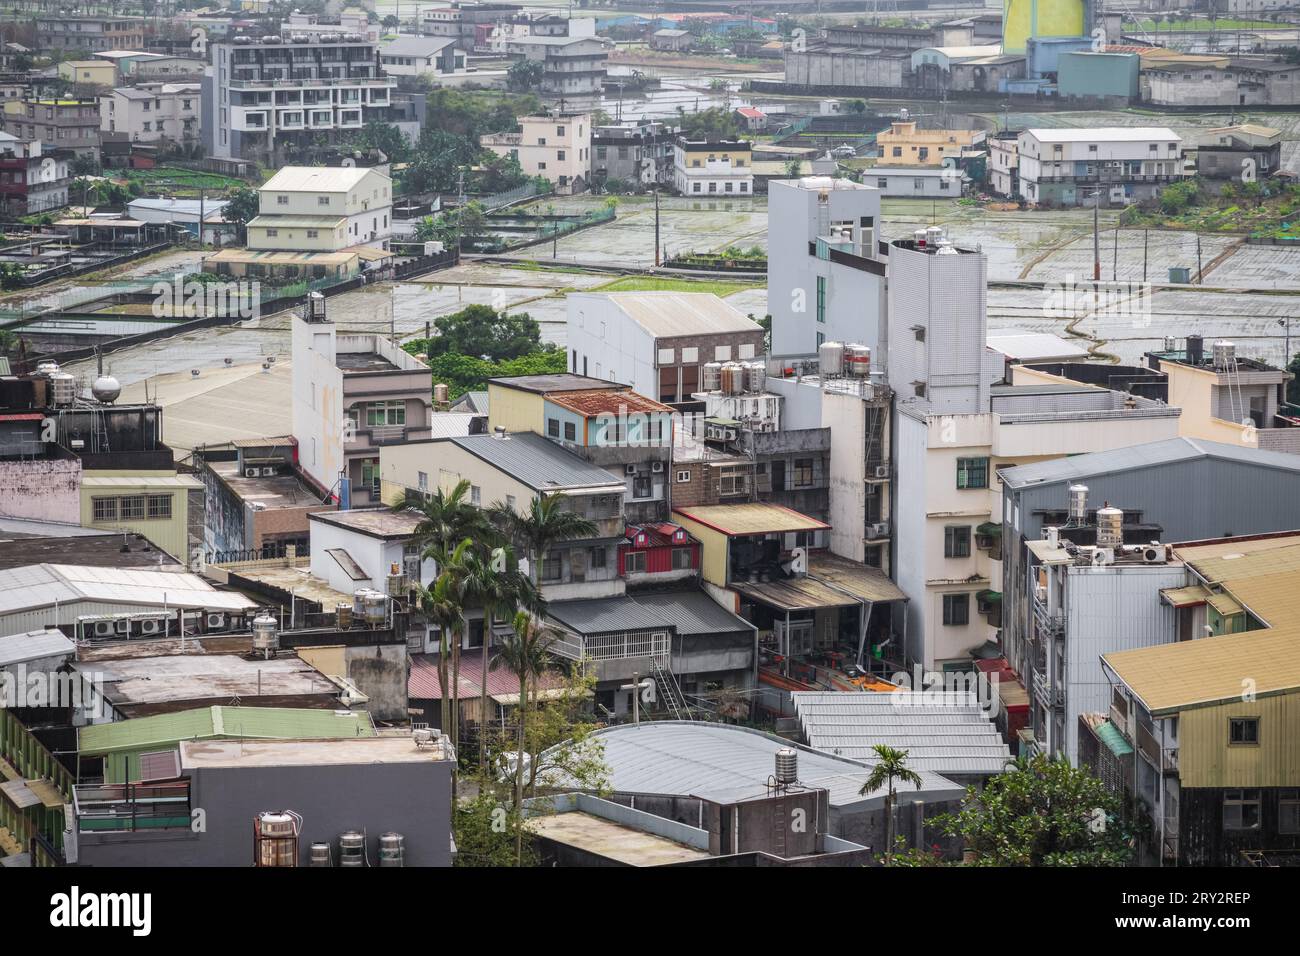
[314, 25]
[1067, 167]
[954, 428]
[152, 112]
[421, 56]
[323, 209]
[260, 98]
[1004, 164]
[573, 68]
[713, 170]
[826, 276]
[556, 146]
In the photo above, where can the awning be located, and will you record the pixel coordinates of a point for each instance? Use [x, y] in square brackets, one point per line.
[1225, 604]
[989, 528]
[1184, 597]
[47, 793]
[988, 597]
[19, 794]
[796, 594]
[859, 580]
[1110, 735]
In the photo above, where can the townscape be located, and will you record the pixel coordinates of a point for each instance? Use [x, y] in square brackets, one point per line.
[708, 433]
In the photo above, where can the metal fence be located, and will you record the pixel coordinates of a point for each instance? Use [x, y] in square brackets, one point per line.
[500, 200]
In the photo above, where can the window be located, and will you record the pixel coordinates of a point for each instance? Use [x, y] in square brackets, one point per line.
[684, 475]
[559, 131]
[570, 431]
[803, 472]
[641, 486]
[972, 472]
[956, 610]
[271, 233]
[634, 562]
[132, 507]
[386, 413]
[553, 427]
[1241, 809]
[597, 558]
[160, 506]
[322, 200]
[104, 509]
[956, 541]
[1288, 811]
[510, 502]
[476, 496]
[560, 155]
[422, 481]
[695, 187]
[1243, 731]
[681, 559]
[312, 234]
[821, 298]
[370, 474]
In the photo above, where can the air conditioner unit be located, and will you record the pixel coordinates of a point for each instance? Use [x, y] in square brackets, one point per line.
[268, 472]
[250, 472]
[103, 628]
[151, 626]
[881, 471]
[630, 469]
[657, 467]
[216, 622]
[878, 530]
[122, 627]
[1154, 554]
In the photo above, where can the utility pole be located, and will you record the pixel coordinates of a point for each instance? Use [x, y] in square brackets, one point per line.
[202, 194]
[656, 225]
[1200, 279]
[1096, 235]
[1144, 255]
[1114, 265]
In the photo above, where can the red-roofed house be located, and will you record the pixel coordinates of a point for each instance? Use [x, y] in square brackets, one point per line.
[751, 120]
[658, 552]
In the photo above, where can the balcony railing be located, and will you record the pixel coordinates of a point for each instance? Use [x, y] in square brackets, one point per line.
[131, 807]
[1050, 623]
[615, 647]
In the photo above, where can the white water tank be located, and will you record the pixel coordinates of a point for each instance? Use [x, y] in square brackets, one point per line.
[711, 378]
[857, 360]
[830, 359]
[1110, 527]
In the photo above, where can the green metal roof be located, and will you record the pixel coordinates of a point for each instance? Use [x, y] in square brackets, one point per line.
[1113, 739]
[269, 723]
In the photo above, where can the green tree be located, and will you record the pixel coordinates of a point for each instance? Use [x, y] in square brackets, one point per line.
[441, 606]
[793, 168]
[547, 522]
[386, 138]
[489, 834]
[714, 123]
[890, 765]
[241, 208]
[1043, 812]
[524, 75]
[526, 654]
[482, 332]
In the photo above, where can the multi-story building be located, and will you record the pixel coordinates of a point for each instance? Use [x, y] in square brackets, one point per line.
[91, 33]
[657, 342]
[1004, 163]
[421, 56]
[573, 68]
[712, 169]
[1208, 722]
[263, 98]
[1226, 81]
[609, 425]
[556, 146]
[323, 209]
[471, 25]
[314, 26]
[353, 394]
[1069, 167]
[32, 179]
[639, 154]
[153, 112]
[826, 274]
[905, 145]
[88, 72]
[70, 123]
[914, 182]
[1246, 153]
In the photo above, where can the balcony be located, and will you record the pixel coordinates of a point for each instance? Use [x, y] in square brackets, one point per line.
[132, 807]
[1050, 623]
[616, 656]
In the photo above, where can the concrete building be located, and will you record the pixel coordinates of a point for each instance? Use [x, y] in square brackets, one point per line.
[314, 25]
[976, 69]
[1226, 82]
[905, 145]
[323, 209]
[657, 342]
[573, 68]
[353, 394]
[153, 112]
[1068, 167]
[471, 25]
[639, 154]
[33, 179]
[826, 276]
[914, 183]
[374, 785]
[88, 72]
[91, 33]
[1098, 76]
[673, 41]
[610, 426]
[556, 146]
[70, 123]
[1004, 164]
[263, 99]
[1245, 153]
[703, 169]
[361, 548]
[421, 56]
[186, 212]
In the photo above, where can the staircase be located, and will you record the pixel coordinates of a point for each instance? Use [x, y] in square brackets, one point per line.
[670, 691]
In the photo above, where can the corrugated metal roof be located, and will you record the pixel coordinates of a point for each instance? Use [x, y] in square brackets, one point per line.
[273, 723]
[424, 683]
[754, 517]
[945, 732]
[664, 314]
[1137, 457]
[604, 615]
[451, 424]
[537, 462]
[44, 585]
[1110, 736]
[796, 594]
[325, 179]
[274, 221]
[721, 761]
[867, 583]
[692, 612]
[34, 645]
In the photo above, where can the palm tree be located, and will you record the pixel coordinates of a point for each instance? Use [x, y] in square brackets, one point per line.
[891, 765]
[446, 519]
[546, 523]
[525, 653]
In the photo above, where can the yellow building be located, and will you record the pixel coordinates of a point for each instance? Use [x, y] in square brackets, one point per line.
[1215, 721]
[1022, 19]
[159, 505]
[905, 145]
[90, 72]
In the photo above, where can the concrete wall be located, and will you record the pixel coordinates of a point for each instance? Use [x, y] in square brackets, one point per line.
[43, 490]
[318, 422]
[413, 799]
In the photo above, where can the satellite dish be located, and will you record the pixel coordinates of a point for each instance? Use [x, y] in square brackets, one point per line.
[349, 161]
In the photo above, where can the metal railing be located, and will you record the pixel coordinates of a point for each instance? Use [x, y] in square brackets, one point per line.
[128, 807]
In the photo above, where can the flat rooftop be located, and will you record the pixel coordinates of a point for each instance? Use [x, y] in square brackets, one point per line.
[298, 581]
[397, 748]
[375, 522]
[268, 492]
[364, 362]
[93, 548]
[614, 841]
[751, 518]
[224, 677]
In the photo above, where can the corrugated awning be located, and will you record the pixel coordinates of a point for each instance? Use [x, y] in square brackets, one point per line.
[796, 594]
[989, 596]
[989, 528]
[49, 795]
[1224, 603]
[859, 580]
[19, 794]
[1110, 735]
[1184, 597]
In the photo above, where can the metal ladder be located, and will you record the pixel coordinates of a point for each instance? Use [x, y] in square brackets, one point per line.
[671, 692]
